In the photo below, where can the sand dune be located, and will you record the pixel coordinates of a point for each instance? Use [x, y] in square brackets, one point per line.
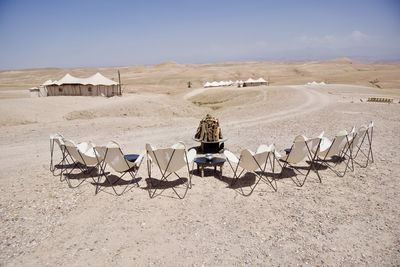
[172, 77]
[341, 221]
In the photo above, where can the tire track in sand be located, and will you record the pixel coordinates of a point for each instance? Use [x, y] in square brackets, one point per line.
[314, 101]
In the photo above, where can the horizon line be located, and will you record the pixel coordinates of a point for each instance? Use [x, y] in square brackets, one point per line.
[356, 60]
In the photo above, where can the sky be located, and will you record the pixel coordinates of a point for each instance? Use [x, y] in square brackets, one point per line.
[84, 33]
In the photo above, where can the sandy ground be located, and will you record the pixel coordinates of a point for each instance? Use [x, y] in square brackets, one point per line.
[346, 221]
[172, 78]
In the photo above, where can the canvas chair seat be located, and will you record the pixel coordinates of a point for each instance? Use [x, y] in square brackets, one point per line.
[111, 155]
[56, 139]
[88, 154]
[362, 145]
[302, 150]
[83, 158]
[334, 147]
[169, 161]
[339, 147]
[254, 162]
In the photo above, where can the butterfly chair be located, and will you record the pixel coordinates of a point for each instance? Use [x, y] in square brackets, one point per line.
[169, 161]
[56, 139]
[83, 158]
[255, 163]
[363, 146]
[111, 155]
[339, 147]
[302, 150]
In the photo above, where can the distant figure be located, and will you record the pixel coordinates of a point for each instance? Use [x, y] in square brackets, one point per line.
[189, 84]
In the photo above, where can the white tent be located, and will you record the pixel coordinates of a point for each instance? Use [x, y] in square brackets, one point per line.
[99, 79]
[222, 83]
[69, 79]
[96, 79]
[48, 82]
[207, 84]
[313, 83]
[261, 80]
[94, 85]
[252, 82]
[219, 83]
[215, 84]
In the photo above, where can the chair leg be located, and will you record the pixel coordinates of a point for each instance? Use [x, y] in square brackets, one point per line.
[300, 183]
[251, 187]
[186, 189]
[68, 179]
[369, 155]
[271, 182]
[51, 155]
[283, 168]
[164, 178]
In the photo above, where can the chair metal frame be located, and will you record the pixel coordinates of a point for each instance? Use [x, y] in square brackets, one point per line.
[261, 175]
[369, 155]
[312, 159]
[53, 141]
[77, 165]
[133, 171]
[346, 151]
[165, 174]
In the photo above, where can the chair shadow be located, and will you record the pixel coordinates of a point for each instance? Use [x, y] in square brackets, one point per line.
[246, 180]
[114, 180]
[249, 179]
[208, 172]
[69, 166]
[320, 166]
[335, 159]
[284, 174]
[152, 183]
[82, 175]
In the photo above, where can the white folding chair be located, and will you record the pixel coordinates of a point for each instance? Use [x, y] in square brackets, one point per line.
[112, 156]
[363, 146]
[84, 159]
[255, 163]
[169, 161]
[302, 149]
[331, 153]
[56, 139]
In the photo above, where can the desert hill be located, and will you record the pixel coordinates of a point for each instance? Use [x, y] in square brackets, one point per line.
[171, 77]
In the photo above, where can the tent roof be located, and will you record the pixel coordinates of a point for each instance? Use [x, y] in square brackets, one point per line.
[48, 82]
[261, 80]
[96, 79]
[99, 79]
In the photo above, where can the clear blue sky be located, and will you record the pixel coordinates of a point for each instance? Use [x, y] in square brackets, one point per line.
[113, 33]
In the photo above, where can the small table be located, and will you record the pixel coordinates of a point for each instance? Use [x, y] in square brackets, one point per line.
[211, 147]
[131, 157]
[202, 162]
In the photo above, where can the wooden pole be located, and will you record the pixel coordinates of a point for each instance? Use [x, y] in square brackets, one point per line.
[119, 83]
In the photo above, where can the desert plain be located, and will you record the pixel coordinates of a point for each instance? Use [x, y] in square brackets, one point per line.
[343, 221]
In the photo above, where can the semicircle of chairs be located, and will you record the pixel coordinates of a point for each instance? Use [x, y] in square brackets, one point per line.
[107, 165]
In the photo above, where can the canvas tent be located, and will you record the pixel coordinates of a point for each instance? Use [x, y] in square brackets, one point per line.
[95, 85]
[252, 82]
[218, 84]
[34, 91]
[207, 84]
